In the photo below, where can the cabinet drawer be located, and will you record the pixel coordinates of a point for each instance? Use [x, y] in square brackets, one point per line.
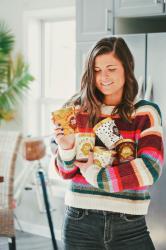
[94, 19]
[136, 8]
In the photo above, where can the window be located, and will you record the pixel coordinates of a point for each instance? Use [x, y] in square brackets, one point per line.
[59, 59]
[50, 46]
[58, 68]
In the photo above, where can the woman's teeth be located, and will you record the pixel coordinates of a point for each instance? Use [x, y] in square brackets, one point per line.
[106, 84]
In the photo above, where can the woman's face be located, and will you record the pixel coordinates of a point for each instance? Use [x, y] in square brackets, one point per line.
[109, 78]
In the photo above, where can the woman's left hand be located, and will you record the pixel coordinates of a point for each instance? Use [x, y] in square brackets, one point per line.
[85, 165]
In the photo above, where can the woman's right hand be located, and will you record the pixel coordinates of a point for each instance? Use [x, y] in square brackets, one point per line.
[64, 141]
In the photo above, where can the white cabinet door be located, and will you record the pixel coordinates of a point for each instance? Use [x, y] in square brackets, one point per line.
[136, 44]
[94, 19]
[81, 55]
[156, 71]
[136, 8]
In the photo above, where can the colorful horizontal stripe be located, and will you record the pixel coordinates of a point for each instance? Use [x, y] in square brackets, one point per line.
[127, 181]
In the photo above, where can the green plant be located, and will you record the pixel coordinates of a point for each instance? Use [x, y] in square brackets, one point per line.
[14, 75]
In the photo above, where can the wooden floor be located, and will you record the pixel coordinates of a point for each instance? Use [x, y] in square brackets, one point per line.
[26, 241]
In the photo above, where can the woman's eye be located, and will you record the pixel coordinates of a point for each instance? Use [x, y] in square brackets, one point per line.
[97, 70]
[111, 70]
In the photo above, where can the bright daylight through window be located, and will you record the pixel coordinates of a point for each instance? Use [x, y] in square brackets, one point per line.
[59, 59]
[58, 68]
[50, 48]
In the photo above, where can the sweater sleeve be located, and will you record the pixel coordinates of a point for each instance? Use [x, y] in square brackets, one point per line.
[64, 163]
[140, 172]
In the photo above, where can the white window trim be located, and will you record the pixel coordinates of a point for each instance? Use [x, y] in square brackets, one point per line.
[38, 16]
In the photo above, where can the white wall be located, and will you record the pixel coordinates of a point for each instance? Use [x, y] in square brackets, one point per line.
[12, 12]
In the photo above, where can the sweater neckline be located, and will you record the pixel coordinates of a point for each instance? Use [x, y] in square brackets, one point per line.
[106, 109]
[105, 105]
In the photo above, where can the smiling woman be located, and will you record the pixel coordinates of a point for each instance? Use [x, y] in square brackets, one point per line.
[109, 78]
[107, 202]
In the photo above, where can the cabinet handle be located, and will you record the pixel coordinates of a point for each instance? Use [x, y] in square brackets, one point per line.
[149, 88]
[159, 1]
[108, 19]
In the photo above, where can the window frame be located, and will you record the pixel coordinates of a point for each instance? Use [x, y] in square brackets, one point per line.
[40, 17]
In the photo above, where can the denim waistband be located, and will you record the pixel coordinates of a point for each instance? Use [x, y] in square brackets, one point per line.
[102, 212]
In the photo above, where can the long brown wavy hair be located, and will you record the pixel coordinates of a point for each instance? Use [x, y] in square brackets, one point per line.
[90, 98]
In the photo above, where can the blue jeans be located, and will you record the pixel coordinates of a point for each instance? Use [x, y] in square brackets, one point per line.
[85, 229]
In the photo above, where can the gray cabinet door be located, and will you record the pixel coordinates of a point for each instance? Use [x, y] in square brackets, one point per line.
[136, 8]
[156, 68]
[94, 19]
[81, 55]
[136, 43]
[156, 73]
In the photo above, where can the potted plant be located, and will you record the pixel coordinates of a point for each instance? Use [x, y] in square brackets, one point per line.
[14, 75]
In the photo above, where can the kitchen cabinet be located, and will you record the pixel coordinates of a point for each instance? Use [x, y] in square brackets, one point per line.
[149, 52]
[156, 73]
[136, 44]
[138, 8]
[94, 19]
[81, 54]
[155, 79]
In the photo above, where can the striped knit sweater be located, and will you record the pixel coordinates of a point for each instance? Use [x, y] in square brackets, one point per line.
[124, 187]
